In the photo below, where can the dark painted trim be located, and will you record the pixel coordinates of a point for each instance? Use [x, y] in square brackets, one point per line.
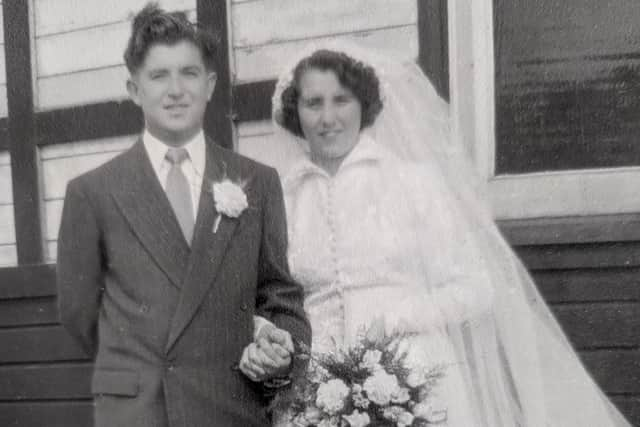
[4, 134]
[212, 15]
[433, 46]
[21, 133]
[572, 229]
[42, 413]
[85, 122]
[28, 281]
[252, 101]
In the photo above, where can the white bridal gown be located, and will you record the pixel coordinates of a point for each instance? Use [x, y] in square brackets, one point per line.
[357, 246]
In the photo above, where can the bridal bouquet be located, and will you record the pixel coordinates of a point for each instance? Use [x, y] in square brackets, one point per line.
[369, 384]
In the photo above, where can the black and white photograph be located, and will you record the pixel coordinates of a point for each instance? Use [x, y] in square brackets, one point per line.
[338, 213]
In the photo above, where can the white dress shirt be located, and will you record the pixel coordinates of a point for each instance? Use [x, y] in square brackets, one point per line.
[192, 167]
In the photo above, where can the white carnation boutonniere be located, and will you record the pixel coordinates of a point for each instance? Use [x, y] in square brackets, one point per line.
[229, 198]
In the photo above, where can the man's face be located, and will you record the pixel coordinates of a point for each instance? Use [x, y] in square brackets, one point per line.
[172, 87]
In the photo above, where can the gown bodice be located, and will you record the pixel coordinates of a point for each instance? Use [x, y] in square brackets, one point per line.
[350, 236]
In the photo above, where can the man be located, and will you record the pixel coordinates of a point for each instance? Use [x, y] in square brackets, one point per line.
[168, 253]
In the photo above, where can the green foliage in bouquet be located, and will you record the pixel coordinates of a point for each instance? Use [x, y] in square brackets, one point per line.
[368, 384]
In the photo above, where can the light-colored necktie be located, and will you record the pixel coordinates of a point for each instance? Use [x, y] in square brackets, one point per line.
[179, 191]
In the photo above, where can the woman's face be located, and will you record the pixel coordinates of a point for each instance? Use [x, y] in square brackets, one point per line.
[330, 115]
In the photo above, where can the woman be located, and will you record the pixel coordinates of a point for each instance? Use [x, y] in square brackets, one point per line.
[385, 218]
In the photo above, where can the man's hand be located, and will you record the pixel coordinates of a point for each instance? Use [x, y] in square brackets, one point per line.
[273, 339]
[268, 357]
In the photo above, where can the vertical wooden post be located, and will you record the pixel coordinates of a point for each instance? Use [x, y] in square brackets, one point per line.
[21, 132]
[212, 15]
[433, 55]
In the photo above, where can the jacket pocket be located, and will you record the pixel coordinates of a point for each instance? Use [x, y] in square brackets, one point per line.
[117, 383]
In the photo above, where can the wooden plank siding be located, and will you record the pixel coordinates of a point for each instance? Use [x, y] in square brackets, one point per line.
[44, 376]
[47, 413]
[588, 270]
[63, 162]
[79, 46]
[287, 25]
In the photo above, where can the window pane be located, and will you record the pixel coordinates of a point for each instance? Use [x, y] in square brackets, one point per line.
[567, 84]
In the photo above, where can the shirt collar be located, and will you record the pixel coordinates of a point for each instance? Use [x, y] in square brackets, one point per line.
[156, 149]
[366, 150]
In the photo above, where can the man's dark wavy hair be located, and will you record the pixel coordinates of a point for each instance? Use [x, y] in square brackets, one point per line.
[356, 76]
[153, 25]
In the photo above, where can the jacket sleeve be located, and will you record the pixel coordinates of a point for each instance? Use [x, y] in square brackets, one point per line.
[279, 297]
[79, 268]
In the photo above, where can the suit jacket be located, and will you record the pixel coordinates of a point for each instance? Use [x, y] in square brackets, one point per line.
[166, 322]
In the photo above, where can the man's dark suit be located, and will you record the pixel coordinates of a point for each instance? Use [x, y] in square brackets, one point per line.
[166, 322]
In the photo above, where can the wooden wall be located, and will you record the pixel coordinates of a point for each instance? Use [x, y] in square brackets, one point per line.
[62, 162]
[79, 46]
[287, 25]
[44, 376]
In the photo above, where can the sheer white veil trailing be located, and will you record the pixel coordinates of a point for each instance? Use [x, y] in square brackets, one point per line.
[521, 370]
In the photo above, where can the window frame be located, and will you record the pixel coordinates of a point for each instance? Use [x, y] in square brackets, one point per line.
[473, 112]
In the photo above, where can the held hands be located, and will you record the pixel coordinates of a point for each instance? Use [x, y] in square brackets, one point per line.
[269, 356]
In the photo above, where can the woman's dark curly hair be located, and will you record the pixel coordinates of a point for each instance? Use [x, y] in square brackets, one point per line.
[356, 76]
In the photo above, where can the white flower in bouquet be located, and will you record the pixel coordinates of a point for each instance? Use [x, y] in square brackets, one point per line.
[317, 373]
[405, 419]
[380, 387]
[401, 396]
[398, 415]
[371, 360]
[313, 414]
[331, 395]
[357, 419]
[416, 378]
[330, 422]
[430, 410]
[422, 410]
[359, 400]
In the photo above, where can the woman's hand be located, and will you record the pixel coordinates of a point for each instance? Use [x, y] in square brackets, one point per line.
[269, 357]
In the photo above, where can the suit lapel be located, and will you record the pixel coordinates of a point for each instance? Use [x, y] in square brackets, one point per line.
[207, 250]
[144, 204]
